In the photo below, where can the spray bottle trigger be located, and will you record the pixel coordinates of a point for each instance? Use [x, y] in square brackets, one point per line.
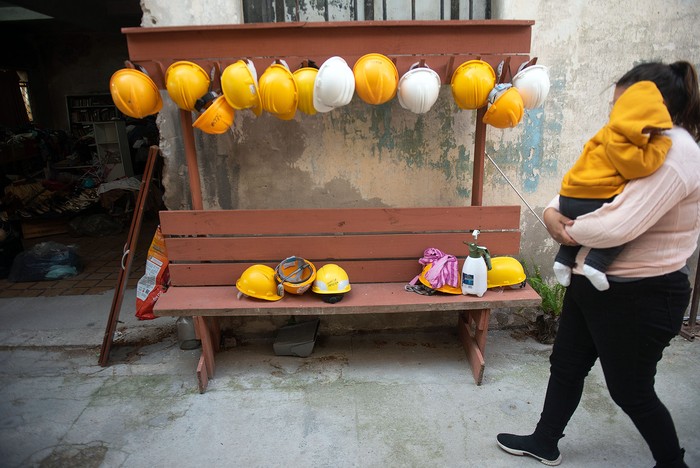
[487, 257]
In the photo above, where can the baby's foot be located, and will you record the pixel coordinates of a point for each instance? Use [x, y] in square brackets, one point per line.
[562, 273]
[596, 277]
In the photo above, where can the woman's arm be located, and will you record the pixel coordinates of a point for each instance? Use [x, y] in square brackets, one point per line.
[640, 205]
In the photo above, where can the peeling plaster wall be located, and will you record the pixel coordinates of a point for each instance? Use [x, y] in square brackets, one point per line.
[357, 155]
[362, 155]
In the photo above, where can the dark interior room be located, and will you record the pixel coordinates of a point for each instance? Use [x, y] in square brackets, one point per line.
[70, 162]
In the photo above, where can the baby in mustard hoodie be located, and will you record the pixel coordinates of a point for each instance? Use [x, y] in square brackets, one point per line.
[630, 146]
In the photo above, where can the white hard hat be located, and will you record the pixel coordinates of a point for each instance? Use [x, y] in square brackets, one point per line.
[418, 89]
[334, 85]
[533, 84]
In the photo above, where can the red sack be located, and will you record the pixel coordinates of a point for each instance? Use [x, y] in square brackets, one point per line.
[156, 279]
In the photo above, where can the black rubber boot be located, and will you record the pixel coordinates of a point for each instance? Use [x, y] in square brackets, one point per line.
[546, 453]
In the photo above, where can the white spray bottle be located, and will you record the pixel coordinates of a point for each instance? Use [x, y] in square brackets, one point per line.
[475, 268]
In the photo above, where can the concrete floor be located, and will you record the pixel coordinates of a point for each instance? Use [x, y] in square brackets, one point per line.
[361, 400]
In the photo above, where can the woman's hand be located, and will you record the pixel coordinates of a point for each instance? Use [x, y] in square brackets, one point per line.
[556, 225]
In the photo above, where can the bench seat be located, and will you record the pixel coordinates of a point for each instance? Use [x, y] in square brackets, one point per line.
[365, 298]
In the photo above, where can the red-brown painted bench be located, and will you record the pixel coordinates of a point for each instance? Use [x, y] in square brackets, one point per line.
[379, 248]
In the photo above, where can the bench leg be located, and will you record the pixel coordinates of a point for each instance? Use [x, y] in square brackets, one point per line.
[207, 329]
[473, 326]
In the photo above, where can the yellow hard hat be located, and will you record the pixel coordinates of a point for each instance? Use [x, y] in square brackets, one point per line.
[472, 82]
[134, 93]
[295, 275]
[376, 78]
[258, 281]
[448, 289]
[278, 91]
[305, 78]
[217, 115]
[505, 271]
[331, 283]
[239, 83]
[186, 82]
[506, 109]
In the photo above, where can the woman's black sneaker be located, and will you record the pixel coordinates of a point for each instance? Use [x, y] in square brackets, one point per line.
[527, 445]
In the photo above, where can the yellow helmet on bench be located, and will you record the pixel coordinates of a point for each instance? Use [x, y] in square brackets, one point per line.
[331, 282]
[295, 275]
[505, 272]
[446, 288]
[258, 281]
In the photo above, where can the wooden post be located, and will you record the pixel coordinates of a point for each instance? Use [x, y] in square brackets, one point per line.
[191, 158]
[127, 257]
[479, 156]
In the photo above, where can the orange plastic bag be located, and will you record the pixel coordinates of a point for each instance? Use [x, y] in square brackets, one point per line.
[156, 279]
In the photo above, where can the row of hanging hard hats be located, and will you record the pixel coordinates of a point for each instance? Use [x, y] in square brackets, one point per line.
[293, 275]
[374, 78]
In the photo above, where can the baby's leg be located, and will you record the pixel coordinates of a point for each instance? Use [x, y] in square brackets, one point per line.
[566, 257]
[597, 263]
[564, 263]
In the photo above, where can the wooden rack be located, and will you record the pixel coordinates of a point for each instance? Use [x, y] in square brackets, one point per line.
[444, 45]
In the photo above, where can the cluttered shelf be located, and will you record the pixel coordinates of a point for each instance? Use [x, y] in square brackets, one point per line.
[86, 109]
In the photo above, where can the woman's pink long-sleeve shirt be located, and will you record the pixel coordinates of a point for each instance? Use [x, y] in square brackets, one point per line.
[656, 217]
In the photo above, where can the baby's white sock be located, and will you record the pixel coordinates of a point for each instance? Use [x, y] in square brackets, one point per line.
[562, 273]
[596, 277]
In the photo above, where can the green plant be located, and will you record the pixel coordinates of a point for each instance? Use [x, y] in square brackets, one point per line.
[552, 293]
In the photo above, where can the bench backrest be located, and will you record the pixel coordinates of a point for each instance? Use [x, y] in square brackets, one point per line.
[371, 244]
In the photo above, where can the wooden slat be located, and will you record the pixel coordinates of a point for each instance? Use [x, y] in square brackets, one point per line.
[337, 221]
[332, 247]
[371, 298]
[226, 274]
[359, 271]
